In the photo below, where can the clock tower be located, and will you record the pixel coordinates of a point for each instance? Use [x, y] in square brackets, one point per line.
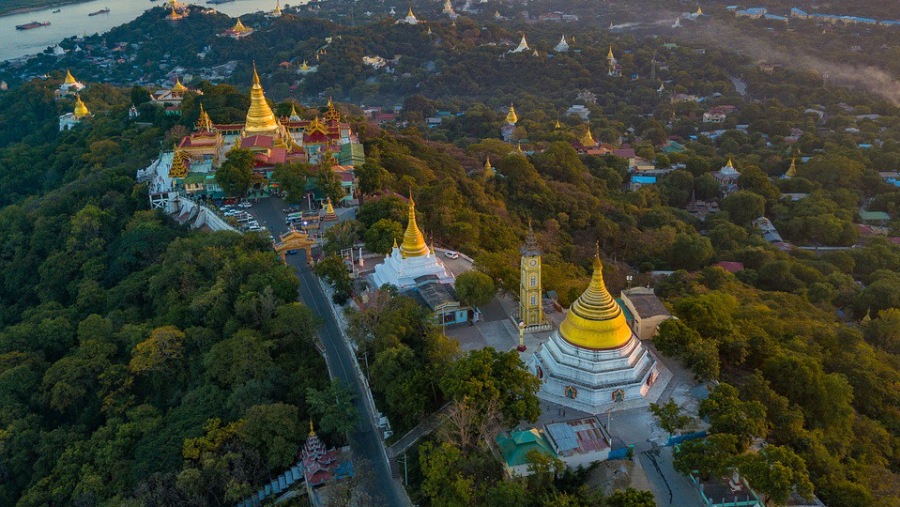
[531, 309]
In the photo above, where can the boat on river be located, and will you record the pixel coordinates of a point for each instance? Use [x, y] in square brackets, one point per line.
[32, 25]
[101, 11]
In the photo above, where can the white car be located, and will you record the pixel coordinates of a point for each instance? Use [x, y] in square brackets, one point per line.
[451, 254]
[245, 204]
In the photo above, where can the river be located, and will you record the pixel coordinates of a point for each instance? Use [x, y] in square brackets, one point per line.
[74, 20]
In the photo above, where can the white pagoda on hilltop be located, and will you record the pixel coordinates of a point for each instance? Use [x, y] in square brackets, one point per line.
[411, 261]
[594, 360]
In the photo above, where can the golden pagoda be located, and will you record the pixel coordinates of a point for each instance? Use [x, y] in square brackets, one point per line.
[174, 15]
[487, 164]
[595, 320]
[312, 432]
[304, 67]
[519, 149]
[511, 117]
[699, 11]
[81, 110]
[587, 139]
[239, 27]
[557, 126]
[70, 79]
[277, 11]
[180, 164]
[180, 88]
[332, 114]
[330, 215]
[413, 239]
[204, 122]
[610, 56]
[792, 170]
[260, 118]
[295, 116]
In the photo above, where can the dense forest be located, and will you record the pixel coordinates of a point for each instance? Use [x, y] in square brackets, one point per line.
[144, 364]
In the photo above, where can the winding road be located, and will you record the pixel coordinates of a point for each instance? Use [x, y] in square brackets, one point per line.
[366, 440]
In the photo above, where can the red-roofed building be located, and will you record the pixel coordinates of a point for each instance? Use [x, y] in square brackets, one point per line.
[730, 266]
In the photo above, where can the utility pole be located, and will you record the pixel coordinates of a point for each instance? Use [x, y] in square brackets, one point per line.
[653, 67]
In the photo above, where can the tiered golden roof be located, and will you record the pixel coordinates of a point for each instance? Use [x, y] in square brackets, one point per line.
[413, 239]
[179, 87]
[180, 163]
[511, 117]
[81, 110]
[595, 320]
[204, 122]
[587, 139]
[332, 114]
[260, 118]
[70, 79]
[316, 126]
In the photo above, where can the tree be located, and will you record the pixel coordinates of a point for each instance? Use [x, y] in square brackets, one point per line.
[727, 413]
[669, 416]
[160, 353]
[236, 174]
[708, 456]
[490, 379]
[674, 337]
[690, 252]
[443, 482]
[292, 179]
[631, 497]
[334, 408]
[744, 206]
[702, 356]
[474, 288]
[333, 269]
[380, 237]
[273, 430]
[341, 236]
[884, 331]
[775, 471]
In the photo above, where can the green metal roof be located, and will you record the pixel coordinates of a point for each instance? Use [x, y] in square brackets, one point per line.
[866, 216]
[628, 316]
[516, 446]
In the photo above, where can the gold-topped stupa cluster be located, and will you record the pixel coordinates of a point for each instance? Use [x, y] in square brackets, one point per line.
[413, 239]
[595, 320]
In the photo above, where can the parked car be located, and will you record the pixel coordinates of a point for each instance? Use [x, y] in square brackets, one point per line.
[451, 254]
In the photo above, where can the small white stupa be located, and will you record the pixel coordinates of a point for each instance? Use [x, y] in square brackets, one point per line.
[563, 46]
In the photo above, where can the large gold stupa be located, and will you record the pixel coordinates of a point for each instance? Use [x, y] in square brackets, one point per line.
[260, 118]
[595, 320]
[413, 239]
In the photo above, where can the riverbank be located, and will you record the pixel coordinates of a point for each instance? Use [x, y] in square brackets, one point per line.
[43, 5]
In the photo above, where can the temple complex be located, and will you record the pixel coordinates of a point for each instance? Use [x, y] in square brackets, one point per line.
[448, 10]
[410, 18]
[594, 360]
[326, 142]
[523, 46]
[727, 177]
[171, 98]
[614, 69]
[411, 260]
[508, 131]
[238, 31]
[69, 120]
[70, 86]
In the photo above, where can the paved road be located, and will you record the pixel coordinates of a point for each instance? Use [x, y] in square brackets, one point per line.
[670, 488]
[365, 441]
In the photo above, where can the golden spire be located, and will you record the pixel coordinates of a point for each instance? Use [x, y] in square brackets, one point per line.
[792, 170]
[81, 110]
[305, 66]
[487, 164]
[178, 86]
[413, 239]
[587, 139]
[699, 11]
[70, 79]
[329, 209]
[312, 431]
[260, 118]
[729, 164]
[410, 13]
[610, 55]
[395, 244]
[239, 27]
[204, 122]
[519, 149]
[511, 117]
[294, 114]
[595, 320]
[277, 7]
[557, 126]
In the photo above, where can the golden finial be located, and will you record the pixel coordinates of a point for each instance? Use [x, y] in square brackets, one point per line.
[511, 117]
[312, 431]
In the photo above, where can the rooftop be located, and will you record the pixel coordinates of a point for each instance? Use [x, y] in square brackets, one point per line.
[645, 302]
[581, 436]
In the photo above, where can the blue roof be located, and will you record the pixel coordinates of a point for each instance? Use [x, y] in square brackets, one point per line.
[776, 17]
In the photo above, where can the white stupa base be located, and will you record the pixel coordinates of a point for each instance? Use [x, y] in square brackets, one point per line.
[402, 273]
[595, 381]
